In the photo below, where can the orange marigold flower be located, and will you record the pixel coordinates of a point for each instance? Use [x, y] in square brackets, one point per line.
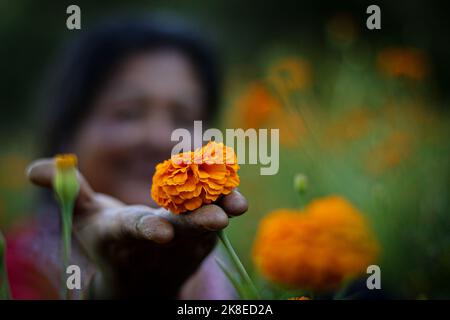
[259, 107]
[390, 153]
[188, 180]
[316, 249]
[256, 106]
[408, 62]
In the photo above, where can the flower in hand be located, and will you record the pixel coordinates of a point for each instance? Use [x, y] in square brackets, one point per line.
[188, 180]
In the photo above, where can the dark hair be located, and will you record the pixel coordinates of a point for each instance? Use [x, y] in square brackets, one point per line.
[94, 55]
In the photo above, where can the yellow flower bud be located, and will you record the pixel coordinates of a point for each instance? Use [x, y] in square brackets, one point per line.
[300, 183]
[65, 182]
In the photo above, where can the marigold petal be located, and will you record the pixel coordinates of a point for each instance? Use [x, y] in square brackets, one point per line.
[190, 179]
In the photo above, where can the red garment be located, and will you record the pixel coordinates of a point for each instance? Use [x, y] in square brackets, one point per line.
[33, 263]
[28, 280]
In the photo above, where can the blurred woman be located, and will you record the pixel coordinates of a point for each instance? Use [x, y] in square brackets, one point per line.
[121, 90]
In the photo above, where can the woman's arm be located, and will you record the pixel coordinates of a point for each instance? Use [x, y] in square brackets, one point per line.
[208, 283]
[140, 251]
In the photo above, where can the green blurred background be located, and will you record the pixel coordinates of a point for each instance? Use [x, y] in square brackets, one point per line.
[361, 113]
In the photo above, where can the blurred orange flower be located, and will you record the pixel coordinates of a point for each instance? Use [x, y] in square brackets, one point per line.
[257, 107]
[188, 180]
[342, 28]
[408, 62]
[316, 249]
[350, 126]
[390, 152]
[289, 74]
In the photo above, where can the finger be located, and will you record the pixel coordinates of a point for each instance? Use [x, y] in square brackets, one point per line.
[41, 172]
[141, 222]
[209, 217]
[156, 229]
[234, 203]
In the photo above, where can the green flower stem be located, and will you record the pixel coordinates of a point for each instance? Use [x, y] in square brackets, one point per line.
[233, 279]
[252, 292]
[5, 292]
[66, 241]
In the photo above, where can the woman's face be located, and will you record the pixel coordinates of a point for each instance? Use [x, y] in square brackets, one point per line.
[128, 132]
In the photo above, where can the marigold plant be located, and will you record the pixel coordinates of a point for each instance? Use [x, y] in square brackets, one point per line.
[188, 180]
[407, 62]
[316, 249]
[66, 188]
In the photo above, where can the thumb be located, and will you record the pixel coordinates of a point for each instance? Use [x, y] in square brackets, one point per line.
[42, 171]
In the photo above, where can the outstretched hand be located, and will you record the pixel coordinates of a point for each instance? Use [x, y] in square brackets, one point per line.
[139, 250]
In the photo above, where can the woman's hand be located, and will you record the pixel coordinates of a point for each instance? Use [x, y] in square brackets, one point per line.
[141, 251]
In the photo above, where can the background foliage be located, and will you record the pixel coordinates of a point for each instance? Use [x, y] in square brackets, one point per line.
[373, 132]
